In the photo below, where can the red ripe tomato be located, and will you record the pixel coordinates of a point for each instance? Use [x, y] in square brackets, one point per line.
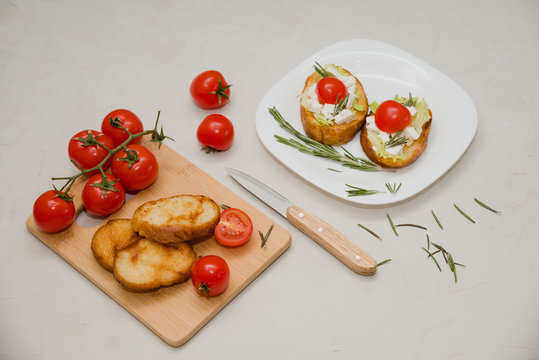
[210, 275]
[85, 151]
[210, 90]
[215, 132]
[102, 196]
[53, 212]
[234, 228]
[392, 116]
[136, 167]
[329, 88]
[130, 121]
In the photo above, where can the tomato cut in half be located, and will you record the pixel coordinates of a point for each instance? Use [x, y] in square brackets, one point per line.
[330, 90]
[234, 228]
[391, 116]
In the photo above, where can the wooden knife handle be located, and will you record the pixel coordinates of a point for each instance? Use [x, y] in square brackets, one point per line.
[333, 241]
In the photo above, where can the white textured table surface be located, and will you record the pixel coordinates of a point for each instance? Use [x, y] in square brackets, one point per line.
[65, 64]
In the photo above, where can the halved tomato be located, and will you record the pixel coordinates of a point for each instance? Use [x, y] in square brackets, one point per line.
[234, 229]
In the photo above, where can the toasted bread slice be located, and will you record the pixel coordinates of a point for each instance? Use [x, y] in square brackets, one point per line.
[339, 133]
[147, 265]
[177, 218]
[111, 237]
[410, 151]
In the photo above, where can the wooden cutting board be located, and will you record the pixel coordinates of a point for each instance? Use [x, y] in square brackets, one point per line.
[173, 313]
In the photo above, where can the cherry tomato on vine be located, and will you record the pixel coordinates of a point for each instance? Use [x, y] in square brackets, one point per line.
[85, 151]
[391, 116]
[210, 275]
[103, 195]
[234, 228]
[135, 166]
[329, 88]
[130, 121]
[215, 132]
[210, 90]
[53, 212]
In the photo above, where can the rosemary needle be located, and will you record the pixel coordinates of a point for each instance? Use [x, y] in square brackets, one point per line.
[463, 213]
[264, 238]
[412, 225]
[357, 191]
[331, 169]
[486, 206]
[370, 231]
[383, 262]
[225, 206]
[436, 218]
[433, 258]
[391, 223]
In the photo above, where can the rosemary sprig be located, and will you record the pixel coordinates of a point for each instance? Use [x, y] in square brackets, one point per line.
[370, 231]
[357, 191]
[313, 147]
[463, 213]
[392, 226]
[264, 238]
[437, 220]
[340, 104]
[486, 206]
[383, 262]
[393, 188]
[320, 69]
[412, 225]
[396, 140]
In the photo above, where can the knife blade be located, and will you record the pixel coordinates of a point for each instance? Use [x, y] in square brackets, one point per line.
[337, 244]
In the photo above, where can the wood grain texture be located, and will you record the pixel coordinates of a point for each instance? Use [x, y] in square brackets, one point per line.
[332, 240]
[173, 313]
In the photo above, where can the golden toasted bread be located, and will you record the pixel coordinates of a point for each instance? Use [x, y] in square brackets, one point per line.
[336, 134]
[147, 265]
[177, 218]
[111, 237]
[410, 152]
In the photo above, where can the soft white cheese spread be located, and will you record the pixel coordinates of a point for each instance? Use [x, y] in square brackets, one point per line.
[311, 103]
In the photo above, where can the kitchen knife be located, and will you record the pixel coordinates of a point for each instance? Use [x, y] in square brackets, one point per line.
[326, 236]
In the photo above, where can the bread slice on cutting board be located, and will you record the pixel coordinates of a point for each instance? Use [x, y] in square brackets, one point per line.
[177, 219]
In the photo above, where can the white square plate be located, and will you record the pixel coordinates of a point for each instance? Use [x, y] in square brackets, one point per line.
[384, 71]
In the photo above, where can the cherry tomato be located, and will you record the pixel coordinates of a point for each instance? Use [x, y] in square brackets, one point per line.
[127, 119]
[52, 213]
[84, 150]
[103, 196]
[234, 228]
[210, 90]
[210, 275]
[392, 116]
[216, 132]
[136, 167]
[329, 88]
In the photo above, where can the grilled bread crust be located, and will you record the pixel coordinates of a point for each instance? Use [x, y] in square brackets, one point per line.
[177, 219]
[411, 152]
[146, 265]
[333, 134]
[111, 237]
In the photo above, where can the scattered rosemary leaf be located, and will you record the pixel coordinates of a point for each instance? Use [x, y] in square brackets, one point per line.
[436, 218]
[264, 238]
[463, 213]
[383, 262]
[393, 188]
[370, 231]
[428, 242]
[334, 170]
[433, 258]
[486, 206]
[357, 191]
[452, 266]
[225, 206]
[391, 223]
[412, 225]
